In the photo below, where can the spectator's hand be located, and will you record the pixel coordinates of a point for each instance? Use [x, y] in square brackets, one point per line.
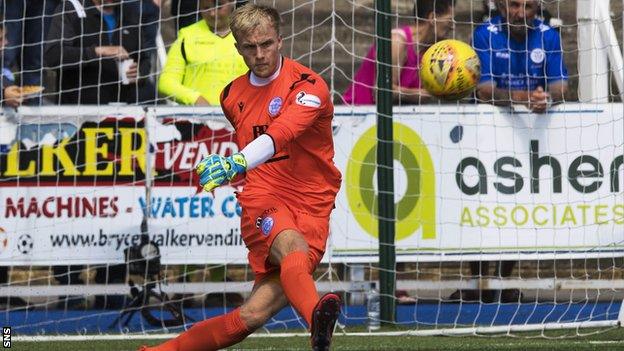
[201, 101]
[156, 2]
[538, 100]
[520, 97]
[132, 73]
[117, 52]
[13, 96]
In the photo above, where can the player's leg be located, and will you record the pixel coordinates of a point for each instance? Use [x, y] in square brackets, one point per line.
[266, 299]
[297, 262]
[279, 236]
[289, 251]
[324, 317]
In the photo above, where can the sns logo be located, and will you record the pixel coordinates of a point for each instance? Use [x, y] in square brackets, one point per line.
[416, 209]
[6, 337]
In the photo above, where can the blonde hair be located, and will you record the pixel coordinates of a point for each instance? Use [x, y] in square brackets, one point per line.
[246, 18]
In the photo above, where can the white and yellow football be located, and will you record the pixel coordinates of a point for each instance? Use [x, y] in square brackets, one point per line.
[450, 69]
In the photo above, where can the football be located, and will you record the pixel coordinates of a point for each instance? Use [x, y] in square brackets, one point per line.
[25, 244]
[450, 69]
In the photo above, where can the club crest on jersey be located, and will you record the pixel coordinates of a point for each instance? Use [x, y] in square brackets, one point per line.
[275, 105]
[538, 55]
[309, 100]
[267, 225]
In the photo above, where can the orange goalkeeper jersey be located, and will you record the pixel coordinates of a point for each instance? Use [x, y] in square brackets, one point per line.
[295, 110]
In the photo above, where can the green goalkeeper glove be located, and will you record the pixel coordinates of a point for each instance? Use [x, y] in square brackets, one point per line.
[215, 170]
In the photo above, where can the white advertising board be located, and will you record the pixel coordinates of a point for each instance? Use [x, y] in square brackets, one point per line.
[472, 182]
[479, 183]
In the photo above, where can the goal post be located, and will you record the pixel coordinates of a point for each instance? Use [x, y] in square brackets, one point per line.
[385, 159]
[599, 51]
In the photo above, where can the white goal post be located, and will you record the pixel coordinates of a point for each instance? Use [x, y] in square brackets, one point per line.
[599, 51]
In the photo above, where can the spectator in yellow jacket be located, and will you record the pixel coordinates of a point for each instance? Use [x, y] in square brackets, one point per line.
[203, 59]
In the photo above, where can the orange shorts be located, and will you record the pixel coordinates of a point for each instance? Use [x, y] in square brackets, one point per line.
[263, 218]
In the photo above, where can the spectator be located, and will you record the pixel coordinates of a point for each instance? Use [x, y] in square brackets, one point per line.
[87, 41]
[203, 60]
[490, 10]
[433, 19]
[10, 94]
[27, 22]
[521, 62]
[521, 58]
[149, 12]
[186, 12]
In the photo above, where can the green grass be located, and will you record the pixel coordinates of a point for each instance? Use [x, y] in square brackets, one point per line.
[604, 340]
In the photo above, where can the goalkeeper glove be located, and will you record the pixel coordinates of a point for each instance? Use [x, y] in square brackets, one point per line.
[215, 170]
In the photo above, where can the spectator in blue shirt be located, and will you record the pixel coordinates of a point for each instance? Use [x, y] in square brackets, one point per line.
[521, 58]
[521, 63]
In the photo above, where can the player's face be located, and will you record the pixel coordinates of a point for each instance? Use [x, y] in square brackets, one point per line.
[260, 48]
[519, 14]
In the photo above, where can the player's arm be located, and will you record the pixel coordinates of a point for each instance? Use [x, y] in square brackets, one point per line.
[301, 111]
[216, 170]
[306, 104]
[172, 76]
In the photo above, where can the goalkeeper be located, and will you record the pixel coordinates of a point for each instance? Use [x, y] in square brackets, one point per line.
[282, 114]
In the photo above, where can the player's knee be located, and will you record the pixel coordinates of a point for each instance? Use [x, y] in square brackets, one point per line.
[254, 318]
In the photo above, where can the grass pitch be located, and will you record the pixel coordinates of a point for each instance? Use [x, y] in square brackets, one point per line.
[605, 340]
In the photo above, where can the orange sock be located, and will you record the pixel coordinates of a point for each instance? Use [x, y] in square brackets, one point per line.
[212, 334]
[298, 284]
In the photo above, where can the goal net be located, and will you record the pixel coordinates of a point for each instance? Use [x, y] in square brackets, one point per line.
[506, 220]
